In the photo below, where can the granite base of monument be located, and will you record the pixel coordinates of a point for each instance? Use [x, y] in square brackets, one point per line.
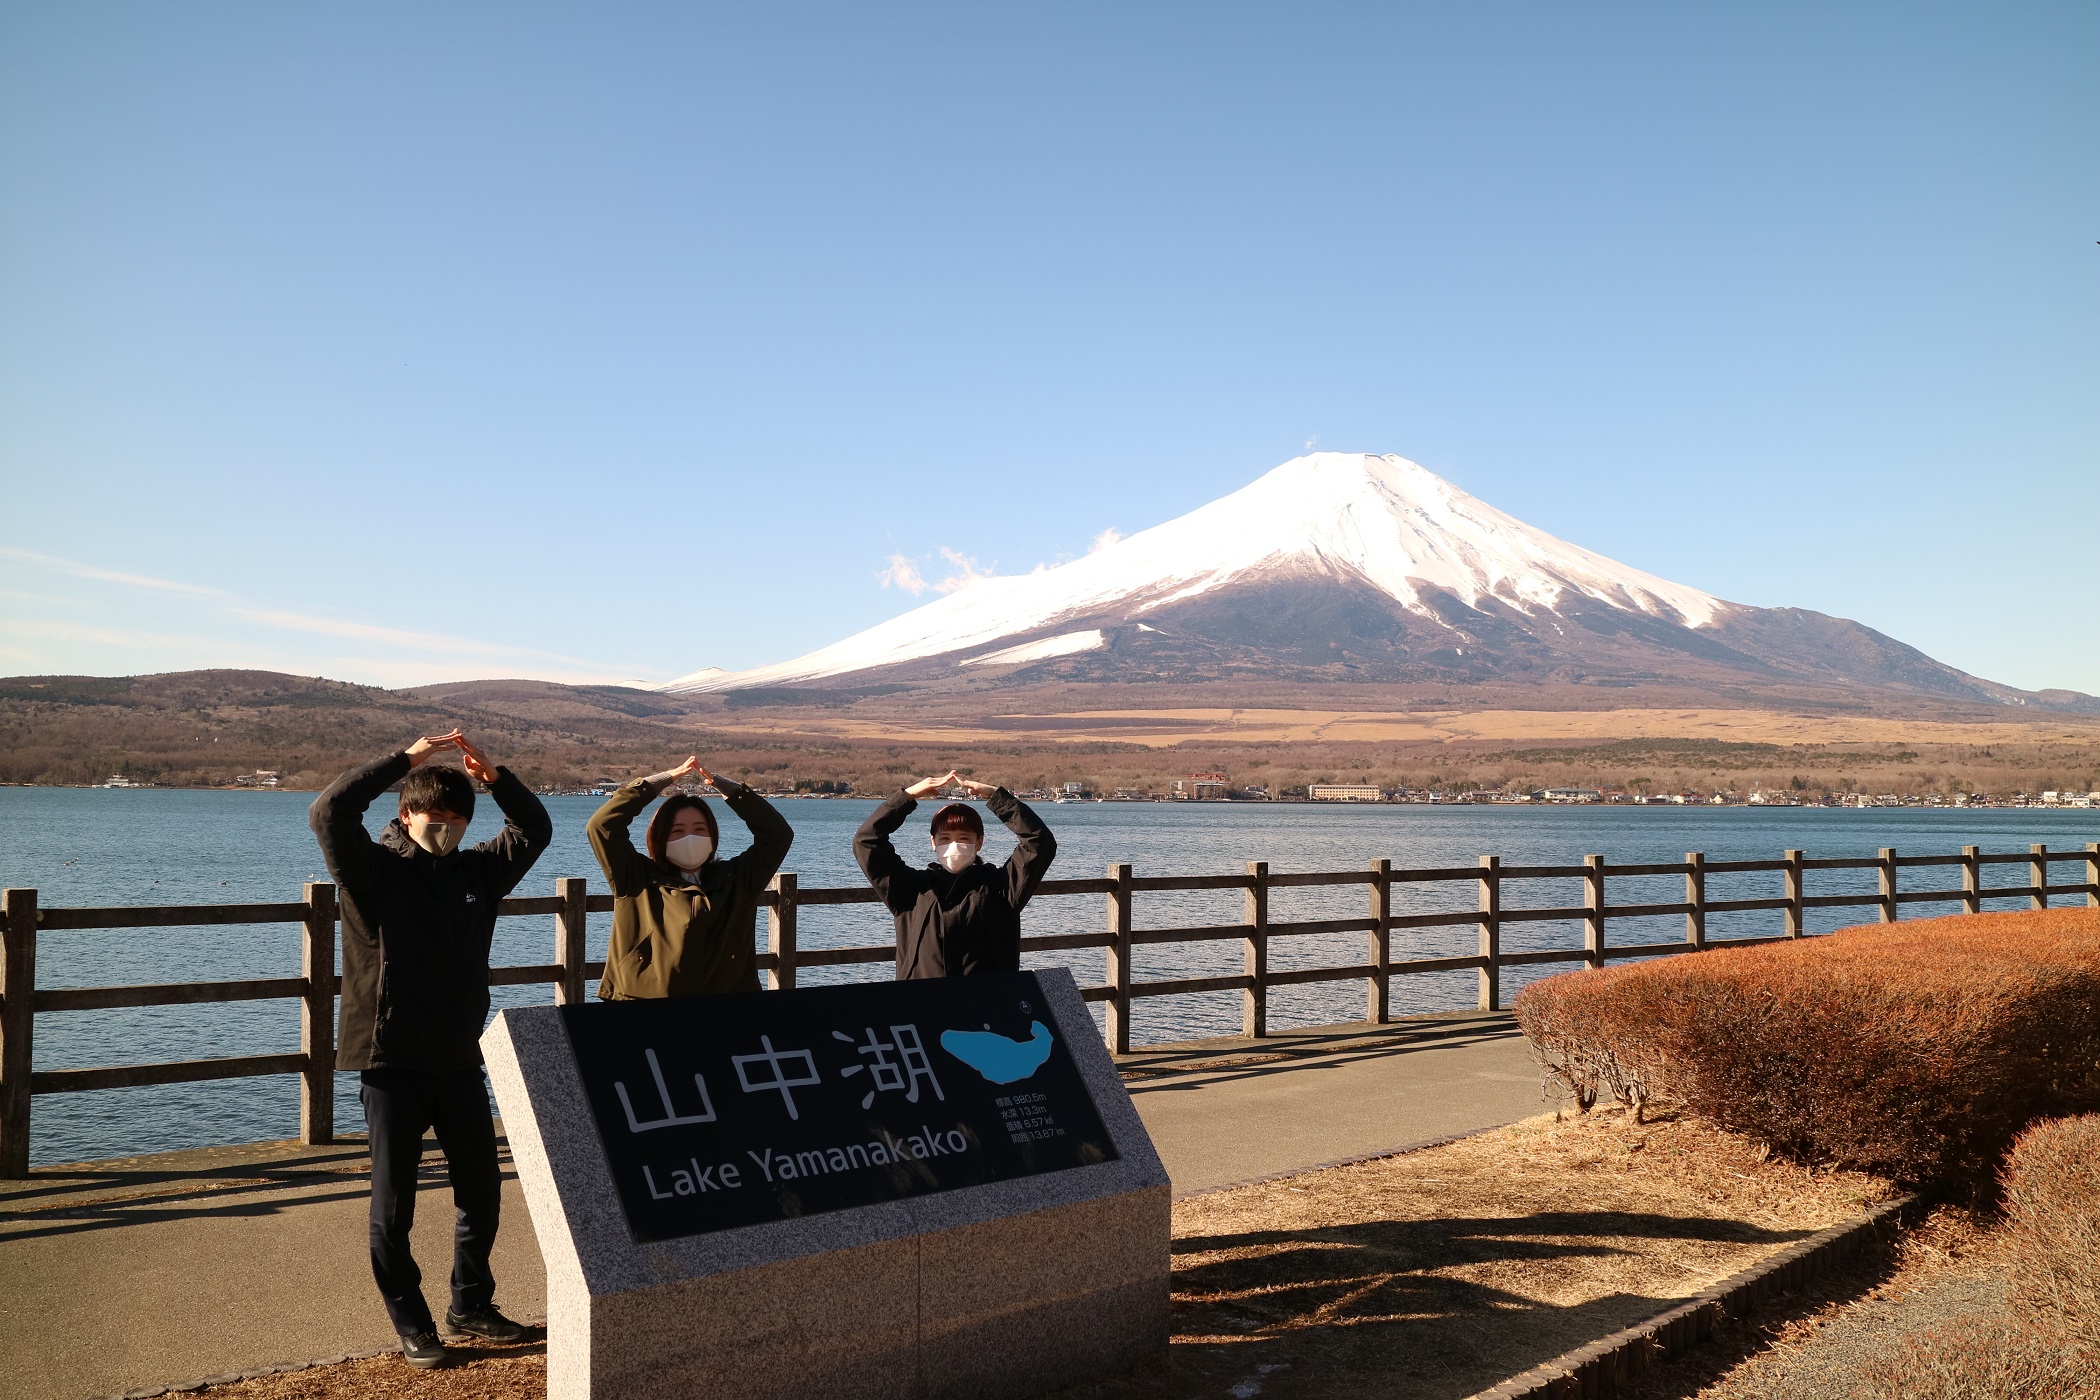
[896, 1189]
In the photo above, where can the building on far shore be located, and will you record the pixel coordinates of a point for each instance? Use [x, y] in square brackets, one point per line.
[1574, 794]
[1345, 792]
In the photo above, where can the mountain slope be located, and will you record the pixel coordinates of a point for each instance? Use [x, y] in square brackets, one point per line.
[1346, 566]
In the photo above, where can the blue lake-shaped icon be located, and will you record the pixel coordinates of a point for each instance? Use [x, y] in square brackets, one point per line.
[998, 1059]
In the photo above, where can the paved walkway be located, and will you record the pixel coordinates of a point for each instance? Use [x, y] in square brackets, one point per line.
[151, 1270]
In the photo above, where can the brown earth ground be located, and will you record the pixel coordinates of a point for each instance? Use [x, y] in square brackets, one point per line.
[1433, 1274]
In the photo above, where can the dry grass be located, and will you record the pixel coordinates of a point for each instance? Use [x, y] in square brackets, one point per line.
[1433, 1274]
[1442, 1272]
[1254, 725]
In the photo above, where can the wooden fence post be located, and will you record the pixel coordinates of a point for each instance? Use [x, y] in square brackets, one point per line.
[317, 1017]
[2092, 874]
[1695, 896]
[1593, 910]
[1491, 933]
[1971, 880]
[571, 929]
[1119, 950]
[17, 1025]
[1254, 1001]
[1887, 871]
[1796, 923]
[1378, 988]
[780, 931]
[2038, 876]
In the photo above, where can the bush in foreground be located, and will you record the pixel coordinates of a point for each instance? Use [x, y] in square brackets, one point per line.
[2052, 1226]
[1915, 1051]
[1982, 1356]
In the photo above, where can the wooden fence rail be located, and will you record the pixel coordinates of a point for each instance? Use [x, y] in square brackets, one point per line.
[316, 987]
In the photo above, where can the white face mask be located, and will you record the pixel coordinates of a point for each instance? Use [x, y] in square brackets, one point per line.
[438, 838]
[690, 852]
[955, 856]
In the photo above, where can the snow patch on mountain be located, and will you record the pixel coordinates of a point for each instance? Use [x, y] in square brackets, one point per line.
[1387, 520]
[1069, 644]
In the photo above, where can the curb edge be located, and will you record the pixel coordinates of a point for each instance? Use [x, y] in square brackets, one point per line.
[1600, 1368]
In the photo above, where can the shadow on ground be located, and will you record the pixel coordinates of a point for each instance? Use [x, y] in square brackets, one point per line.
[1362, 1309]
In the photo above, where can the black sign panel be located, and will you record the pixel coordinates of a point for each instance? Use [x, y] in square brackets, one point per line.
[725, 1111]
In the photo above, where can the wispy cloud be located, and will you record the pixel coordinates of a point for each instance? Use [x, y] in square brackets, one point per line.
[1106, 538]
[967, 571]
[80, 570]
[903, 572]
[900, 572]
[232, 605]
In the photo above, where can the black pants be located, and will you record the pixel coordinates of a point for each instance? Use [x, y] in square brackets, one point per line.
[399, 1105]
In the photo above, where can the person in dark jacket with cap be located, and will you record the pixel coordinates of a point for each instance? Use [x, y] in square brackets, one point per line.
[418, 914]
[684, 920]
[959, 914]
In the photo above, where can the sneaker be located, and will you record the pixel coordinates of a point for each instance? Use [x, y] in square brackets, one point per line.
[423, 1350]
[489, 1325]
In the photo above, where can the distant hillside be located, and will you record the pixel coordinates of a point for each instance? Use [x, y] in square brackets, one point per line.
[204, 728]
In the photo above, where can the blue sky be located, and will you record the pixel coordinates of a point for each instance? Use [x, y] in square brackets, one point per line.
[400, 343]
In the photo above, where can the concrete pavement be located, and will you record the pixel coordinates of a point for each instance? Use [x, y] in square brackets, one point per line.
[152, 1270]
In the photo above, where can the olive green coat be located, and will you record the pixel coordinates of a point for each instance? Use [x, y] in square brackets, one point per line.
[674, 937]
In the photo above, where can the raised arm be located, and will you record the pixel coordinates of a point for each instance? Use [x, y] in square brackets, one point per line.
[338, 816]
[1034, 846]
[527, 829]
[626, 869]
[770, 834]
[896, 883]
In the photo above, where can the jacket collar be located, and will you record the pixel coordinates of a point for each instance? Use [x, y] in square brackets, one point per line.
[705, 876]
[396, 839]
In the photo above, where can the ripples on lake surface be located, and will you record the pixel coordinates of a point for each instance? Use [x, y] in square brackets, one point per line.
[83, 847]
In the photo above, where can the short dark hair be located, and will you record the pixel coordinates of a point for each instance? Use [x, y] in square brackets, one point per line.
[959, 812]
[437, 785]
[660, 824]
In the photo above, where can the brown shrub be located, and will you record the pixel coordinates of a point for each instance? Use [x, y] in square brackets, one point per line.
[1915, 1050]
[1984, 1356]
[2052, 1225]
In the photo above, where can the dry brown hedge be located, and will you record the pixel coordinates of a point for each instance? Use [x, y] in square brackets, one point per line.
[1979, 1356]
[2052, 1226]
[1916, 1050]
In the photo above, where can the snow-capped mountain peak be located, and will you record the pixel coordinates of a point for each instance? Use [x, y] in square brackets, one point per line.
[1383, 521]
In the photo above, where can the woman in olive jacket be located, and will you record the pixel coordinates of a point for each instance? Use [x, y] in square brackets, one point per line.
[684, 921]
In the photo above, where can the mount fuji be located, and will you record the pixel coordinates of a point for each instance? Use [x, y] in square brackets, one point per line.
[1343, 566]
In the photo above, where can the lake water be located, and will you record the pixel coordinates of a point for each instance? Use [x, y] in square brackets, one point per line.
[151, 846]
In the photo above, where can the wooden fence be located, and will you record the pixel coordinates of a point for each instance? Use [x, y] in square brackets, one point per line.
[22, 920]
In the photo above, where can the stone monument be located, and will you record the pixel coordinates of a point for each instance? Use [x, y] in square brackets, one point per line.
[895, 1189]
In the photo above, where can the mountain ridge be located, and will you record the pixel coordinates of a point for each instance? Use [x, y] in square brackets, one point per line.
[1348, 566]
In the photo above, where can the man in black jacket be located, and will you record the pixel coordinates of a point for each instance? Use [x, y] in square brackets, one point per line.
[418, 913]
[959, 914]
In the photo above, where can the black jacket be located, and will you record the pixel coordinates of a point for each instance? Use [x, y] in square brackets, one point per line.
[416, 927]
[956, 925]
